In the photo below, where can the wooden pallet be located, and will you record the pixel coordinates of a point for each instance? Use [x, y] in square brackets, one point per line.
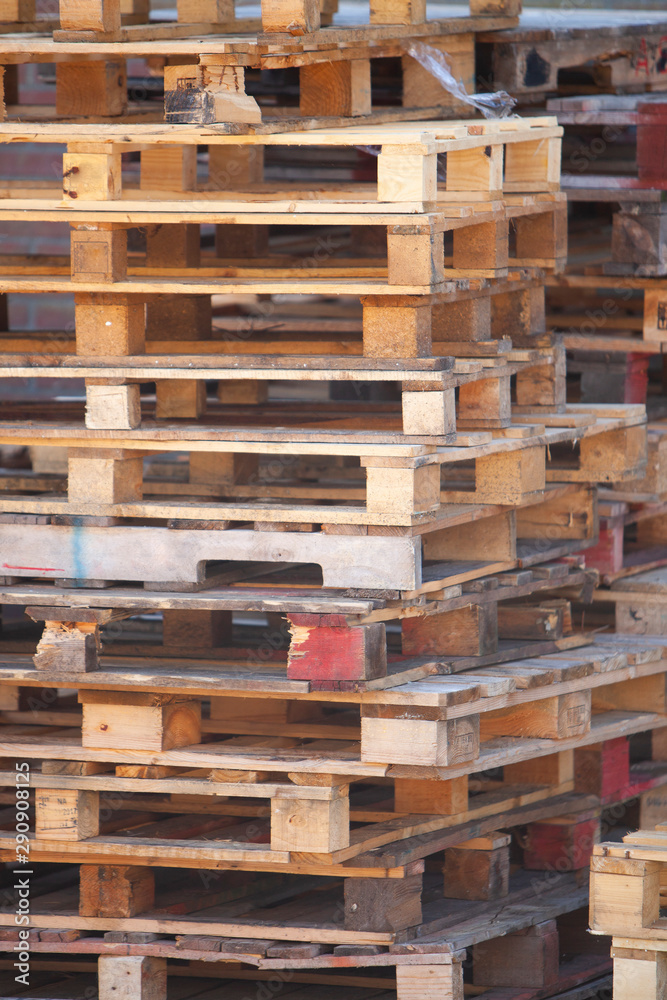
[301, 938]
[248, 553]
[105, 818]
[104, 22]
[609, 445]
[587, 974]
[619, 313]
[487, 318]
[376, 341]
[429, 413]
[629, 238]
[419, 730]
[618, 51]
[477, 206]
[630, 540]
[525, 160]
[476, 623]
[241, 926]
[333, 78]
[558, 828]
[604, 125]
[402, 973]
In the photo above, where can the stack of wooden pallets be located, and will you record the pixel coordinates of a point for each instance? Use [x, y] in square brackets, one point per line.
[610, 304]
[608, 308]
[294, 521]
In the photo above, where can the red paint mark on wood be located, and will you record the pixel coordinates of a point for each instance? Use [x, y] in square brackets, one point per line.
[37, 569]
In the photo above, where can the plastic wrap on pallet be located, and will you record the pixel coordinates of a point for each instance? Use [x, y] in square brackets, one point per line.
[496, 105]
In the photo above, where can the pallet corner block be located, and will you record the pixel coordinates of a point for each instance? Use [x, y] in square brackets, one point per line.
[325, 649]
[155, 722]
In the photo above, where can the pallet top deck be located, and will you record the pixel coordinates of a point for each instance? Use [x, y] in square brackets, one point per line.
[540, 24]
[163, 35]
[426, 137]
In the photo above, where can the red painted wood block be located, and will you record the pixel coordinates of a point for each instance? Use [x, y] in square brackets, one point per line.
[326, 650]
[603, 769]
[652, 142]
[561, 845]
[607, 555]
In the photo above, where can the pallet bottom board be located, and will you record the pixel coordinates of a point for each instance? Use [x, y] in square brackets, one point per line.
[582, 978]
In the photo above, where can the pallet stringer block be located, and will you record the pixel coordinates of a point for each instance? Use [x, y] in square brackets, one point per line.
[199, 629]
[396, 327]
[563, 844]
[112, 404]
[208, 92]
[524, 958]
[422, 90]
[178, 399]
[625, 895]
[71, 646]
[104, 476]
[92, 172]
[169, 168]
[379, 905]
[90, 15]
[324, 649]
[504, 478]
[395, 490]
[18, 11]
[404, 174]
[541, 239]
[131, 977]
[462, 320]
[98, 252]
[95, 88]
[176, 317]
[428, 412]
[109, 325]
[416, 982]
[533, 166]
[222, 468]
[228, 167]
[296, 17]
[141, 721]
[416, 256]
[639, 973]
[557, 718]
[542, 385]
[476, 169]
[406, 736]
[336, 89]
[66, 814]
[420, 796]
[205, 11]
[604, 768]
[478, 868]
[117, 891]
[485, 403]
[481, 248]
[557, 769]
[318, 826]
[468, 631]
